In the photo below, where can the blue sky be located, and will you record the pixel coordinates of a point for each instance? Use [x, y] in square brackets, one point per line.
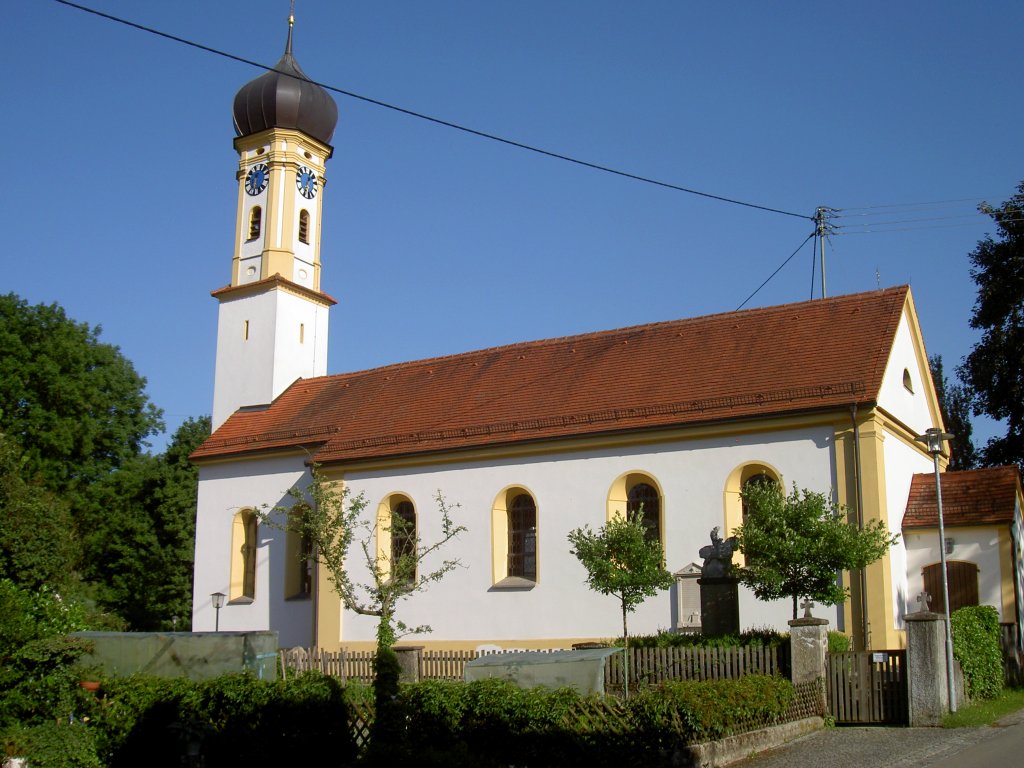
[121, 191]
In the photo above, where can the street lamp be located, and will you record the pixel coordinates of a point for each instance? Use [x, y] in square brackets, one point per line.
[218, 603]
[934, 438]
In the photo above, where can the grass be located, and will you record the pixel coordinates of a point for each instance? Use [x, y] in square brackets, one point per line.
[987, 711]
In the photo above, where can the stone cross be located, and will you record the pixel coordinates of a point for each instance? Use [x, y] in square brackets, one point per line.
[807, 605]
[924, 598]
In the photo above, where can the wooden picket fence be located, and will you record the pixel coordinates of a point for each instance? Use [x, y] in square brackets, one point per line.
[658, 665]
[649, 665]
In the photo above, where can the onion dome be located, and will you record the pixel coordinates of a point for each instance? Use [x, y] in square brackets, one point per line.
[285, 98]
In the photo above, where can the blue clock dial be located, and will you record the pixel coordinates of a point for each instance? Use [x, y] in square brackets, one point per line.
[257, 178]
[306, 181]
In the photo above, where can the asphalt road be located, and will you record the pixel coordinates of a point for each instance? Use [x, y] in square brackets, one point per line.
[999, 745]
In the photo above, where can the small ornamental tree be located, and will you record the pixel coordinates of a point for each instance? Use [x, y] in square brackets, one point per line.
[621, 560]
[795, 545]
[327, 517]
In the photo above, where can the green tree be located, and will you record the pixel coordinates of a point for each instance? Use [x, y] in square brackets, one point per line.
[37, 544]
[325, 515]
[621, 560]
[955, 405]
[140, 545]
[795, 545]
[995, 367]
[74, 404]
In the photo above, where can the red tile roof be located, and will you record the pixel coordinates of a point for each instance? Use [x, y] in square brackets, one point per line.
[971, 497]
[753, 363]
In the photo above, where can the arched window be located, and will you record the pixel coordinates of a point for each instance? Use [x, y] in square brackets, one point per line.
[638, 492]
[299, 545]
[514, 551]
[908, 383]
[304, 226]
[643, 498]
[255, 222]
[735, 511]
[762, 479]
[403, 542]
[243, 556]
[522, 537]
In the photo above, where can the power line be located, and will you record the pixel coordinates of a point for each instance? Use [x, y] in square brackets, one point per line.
[779, 269]
[911, 221]
[437, 120]
[975, 200]
[914, 229]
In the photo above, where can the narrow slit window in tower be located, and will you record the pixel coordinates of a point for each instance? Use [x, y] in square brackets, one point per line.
[255, 222]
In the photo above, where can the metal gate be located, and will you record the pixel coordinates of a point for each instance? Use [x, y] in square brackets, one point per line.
[868, 687]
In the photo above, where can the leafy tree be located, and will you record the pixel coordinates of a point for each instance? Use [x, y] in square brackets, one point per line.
[325, 515]
[995, 367]
[955, 405]
[74, 404]
[37, 544]
[621, 560]
[795, 545]
[140, 544]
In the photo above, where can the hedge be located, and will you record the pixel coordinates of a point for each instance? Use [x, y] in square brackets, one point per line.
[975, 632]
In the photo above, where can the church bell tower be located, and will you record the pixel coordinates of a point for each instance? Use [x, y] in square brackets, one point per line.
[272, 320]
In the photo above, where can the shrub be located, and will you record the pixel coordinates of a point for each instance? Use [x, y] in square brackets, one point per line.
[494, 722]
[838, 642]
[233, 719]
[711, 709]
[975, 632]
[764, 637]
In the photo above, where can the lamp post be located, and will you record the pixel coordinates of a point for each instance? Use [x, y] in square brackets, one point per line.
[934, 438]
[218, 603]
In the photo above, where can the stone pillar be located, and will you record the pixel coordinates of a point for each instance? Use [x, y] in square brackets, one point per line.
[409, 658]
[719, 606]
[808, 640]
[927, 690]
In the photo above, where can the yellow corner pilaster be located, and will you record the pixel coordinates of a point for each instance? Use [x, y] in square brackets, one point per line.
[881, 610]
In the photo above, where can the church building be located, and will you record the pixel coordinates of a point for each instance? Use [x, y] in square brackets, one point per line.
[532, 440]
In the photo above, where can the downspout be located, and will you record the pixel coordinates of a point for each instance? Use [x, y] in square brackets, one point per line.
[860, 523]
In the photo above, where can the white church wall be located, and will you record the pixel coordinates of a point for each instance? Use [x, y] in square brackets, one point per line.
[224, 490]
[902, 462]
[979, 545]
[571, 490]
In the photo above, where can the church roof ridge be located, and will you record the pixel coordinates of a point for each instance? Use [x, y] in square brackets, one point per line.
[792, 358]
[609, 333]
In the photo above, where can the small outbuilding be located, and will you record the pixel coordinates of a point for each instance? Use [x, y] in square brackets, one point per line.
[981, 510]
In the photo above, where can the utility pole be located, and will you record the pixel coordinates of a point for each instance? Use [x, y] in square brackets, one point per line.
[822, 229]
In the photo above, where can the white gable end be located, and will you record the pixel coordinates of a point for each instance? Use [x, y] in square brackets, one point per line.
[907, 393]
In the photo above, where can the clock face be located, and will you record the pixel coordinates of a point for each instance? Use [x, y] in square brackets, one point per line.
[306, 181]
[256, 179]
